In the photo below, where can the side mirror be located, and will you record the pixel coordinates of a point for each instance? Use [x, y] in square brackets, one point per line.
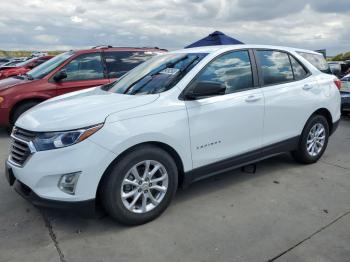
[205, 89]
[60, 75]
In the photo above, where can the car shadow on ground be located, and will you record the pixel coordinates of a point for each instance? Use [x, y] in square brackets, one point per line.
[75, 224]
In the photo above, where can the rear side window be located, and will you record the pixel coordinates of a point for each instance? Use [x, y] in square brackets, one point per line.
[119, 63]
[317, 60]
[275, 67]
[233, 70]
[298, 70]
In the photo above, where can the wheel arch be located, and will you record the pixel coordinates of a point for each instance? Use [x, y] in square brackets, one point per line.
[170, 150]
[21, 102]
[327, 114]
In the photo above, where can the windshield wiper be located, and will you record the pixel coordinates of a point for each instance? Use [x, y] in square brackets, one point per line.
[133, 92]
[155, 72]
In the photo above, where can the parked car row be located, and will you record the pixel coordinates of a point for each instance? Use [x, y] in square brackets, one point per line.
[174, 119]
[339, 68]
[11, 61]
[345, 94]
[35, 59]
[20, 68]
[67, 72]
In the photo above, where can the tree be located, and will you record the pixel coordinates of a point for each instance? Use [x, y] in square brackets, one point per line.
[342, 57]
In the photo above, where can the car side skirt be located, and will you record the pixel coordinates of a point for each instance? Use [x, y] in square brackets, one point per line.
[241, 160]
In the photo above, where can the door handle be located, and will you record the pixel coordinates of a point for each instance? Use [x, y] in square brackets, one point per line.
[307, 87]
[252, 98]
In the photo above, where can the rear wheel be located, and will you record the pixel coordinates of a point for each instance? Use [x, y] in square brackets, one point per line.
[140, 186]
[313, 141]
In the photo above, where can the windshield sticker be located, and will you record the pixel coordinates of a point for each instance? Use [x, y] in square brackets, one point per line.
[169, 71]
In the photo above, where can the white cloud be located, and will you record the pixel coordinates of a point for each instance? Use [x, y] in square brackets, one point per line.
[172, 24]
[76, 19]
[39, 28]
[47, 39]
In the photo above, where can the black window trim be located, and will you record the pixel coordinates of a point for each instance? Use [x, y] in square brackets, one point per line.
[261, 79]
[253, 66]
[51, 80]
[308, 73]
[105, 67]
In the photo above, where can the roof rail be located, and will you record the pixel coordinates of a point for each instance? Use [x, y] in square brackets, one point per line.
[144, 47]
[101, 46]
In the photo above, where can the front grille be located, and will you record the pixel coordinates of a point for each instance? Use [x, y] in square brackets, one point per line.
[23, 134]
[20, 149]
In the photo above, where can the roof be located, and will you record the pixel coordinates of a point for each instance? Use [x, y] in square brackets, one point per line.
[120, 49]
[212, 49]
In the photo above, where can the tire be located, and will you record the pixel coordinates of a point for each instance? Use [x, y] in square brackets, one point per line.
[113, 185]
[20, 110]
[302, 154]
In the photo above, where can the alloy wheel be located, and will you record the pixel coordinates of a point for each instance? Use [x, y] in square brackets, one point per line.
[316, 139]
[144, 186]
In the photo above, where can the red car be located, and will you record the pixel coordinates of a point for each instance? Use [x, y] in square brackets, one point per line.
[23, 67]
[67, 72]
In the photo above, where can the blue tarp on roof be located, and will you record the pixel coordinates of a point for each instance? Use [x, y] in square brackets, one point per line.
[216, 38]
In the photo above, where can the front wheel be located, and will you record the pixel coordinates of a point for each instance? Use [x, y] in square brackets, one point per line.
[313, 141]
[140, 186]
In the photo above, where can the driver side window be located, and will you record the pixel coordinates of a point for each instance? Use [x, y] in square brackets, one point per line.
[233, 70]
[84, 67]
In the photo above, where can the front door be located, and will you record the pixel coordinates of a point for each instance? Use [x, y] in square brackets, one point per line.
[84, 71]
[228, 125]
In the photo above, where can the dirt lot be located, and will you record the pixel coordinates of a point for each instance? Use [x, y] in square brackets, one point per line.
[283, 212]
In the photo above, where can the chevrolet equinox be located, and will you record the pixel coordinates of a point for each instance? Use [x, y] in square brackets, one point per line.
[173, 120]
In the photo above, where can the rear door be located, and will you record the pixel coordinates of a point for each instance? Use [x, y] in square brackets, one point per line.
[119, 63]
[289, 92]
[84, 71]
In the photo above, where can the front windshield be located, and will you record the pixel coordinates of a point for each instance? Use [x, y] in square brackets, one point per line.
[26, 62]
[156, 75]
[46, 67]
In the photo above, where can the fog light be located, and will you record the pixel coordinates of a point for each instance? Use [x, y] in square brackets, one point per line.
[68, 182]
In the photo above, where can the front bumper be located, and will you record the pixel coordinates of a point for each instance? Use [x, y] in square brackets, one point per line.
[345, 101]
[41, 172]
[85, 208]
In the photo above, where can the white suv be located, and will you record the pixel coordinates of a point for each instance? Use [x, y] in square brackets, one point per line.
[174, 119]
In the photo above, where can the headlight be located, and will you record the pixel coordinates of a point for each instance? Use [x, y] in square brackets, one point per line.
[54, 140]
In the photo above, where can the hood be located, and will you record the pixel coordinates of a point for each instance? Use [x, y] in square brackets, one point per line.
[12, 81]
[79, 109]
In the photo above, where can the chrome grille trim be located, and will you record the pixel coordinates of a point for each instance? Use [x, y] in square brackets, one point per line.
[23, 134]
[21, 146]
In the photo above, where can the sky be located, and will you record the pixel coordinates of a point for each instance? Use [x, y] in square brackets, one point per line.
[173, 24]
